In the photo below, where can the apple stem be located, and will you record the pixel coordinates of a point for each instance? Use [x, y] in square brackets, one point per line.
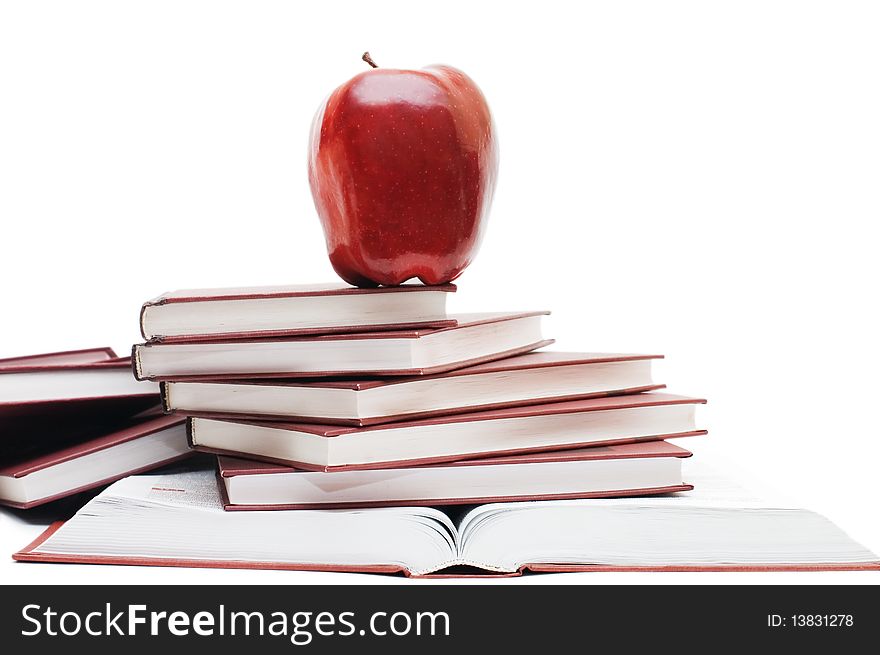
[367, 58]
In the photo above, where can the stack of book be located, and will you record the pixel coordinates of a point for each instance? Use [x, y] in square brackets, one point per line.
[335, 397]
[356, 429]
[76, 420]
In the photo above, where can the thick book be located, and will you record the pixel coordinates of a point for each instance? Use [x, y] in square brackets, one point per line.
[178, 520]
[475, 339]
[73, 385]
[42, 476]
[601, 472]
[533, 378]
[516, 430]
[249, 312]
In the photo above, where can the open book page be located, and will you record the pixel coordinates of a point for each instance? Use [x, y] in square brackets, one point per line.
[180, 517]
[711, 490]
[714, 489]
[196, 490]
[718, 524]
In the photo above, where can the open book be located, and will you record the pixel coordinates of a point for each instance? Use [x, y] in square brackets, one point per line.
[178, 520]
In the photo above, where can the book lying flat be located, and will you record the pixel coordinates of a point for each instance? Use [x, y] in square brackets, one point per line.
[83, 356]
[527, 379]
[178, 520]
[141, 445]
[475, 339]
[249, 312]
[515, 430]
[71, 384]
[626, 470]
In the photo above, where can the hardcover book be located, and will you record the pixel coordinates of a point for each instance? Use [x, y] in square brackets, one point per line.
[42, 474]
[83, 356]
[475, 339]
[516, 430]
[627, 470]
[250, 312]
[533, 378]
[178, 520]
[70, 386]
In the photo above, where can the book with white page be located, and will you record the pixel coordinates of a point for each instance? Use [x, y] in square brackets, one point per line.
[178, 520]
[507, 431]
[48, 471]
[543, 376]
[71, 387]
[637, 469]
[295, 309]
[474, 339]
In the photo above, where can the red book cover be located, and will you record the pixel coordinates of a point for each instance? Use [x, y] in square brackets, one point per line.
[30, 554]
[280, 292]
[84, 356]
[17, 415]
[43, 458]
[139, 351]
[546, 409]
[541, 359]
[230, 467]
[528, 361]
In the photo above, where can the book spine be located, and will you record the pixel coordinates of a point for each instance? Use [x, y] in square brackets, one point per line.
[136, 362]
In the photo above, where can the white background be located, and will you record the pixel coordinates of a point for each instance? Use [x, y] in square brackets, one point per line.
[698, 179]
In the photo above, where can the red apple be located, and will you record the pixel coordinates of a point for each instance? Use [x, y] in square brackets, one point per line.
[402, 167]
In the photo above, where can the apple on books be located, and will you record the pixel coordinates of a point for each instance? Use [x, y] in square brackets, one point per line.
[402, 167]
